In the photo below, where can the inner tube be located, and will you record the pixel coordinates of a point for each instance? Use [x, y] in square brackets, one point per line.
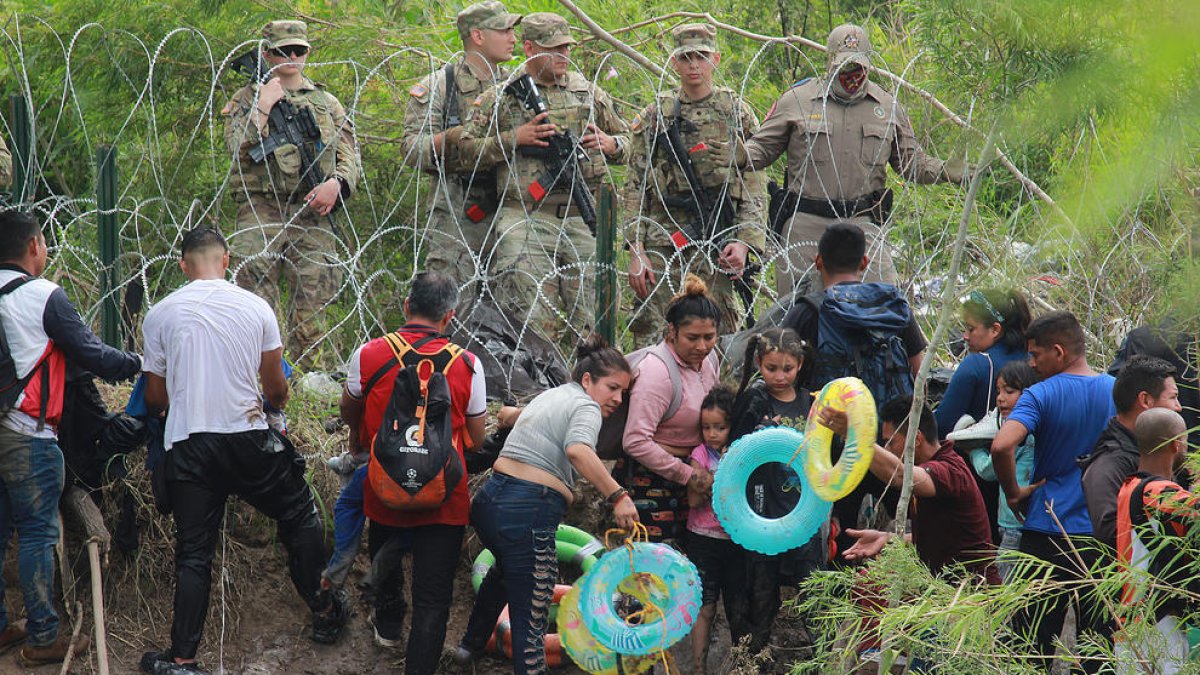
[586, 651]
[834, 481]
[572, 545]
[502, 637]
[679, 609]
[748, 529]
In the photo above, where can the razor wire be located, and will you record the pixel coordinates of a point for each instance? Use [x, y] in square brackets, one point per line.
[175, 177]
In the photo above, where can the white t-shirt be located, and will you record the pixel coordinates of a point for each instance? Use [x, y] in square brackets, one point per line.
[207, 340]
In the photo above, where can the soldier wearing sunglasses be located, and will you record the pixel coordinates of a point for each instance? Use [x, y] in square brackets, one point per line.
[282, 229]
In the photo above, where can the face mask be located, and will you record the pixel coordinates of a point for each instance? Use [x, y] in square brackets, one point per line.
[849, 84]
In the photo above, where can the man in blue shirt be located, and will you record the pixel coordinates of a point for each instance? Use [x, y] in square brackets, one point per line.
[1066, 412]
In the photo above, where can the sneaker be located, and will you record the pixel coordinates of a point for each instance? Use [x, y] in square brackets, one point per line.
[977, 434]
[162, 663]
[54, 652]
[380, 639]
[462, 657]
[11, 637]
[328, 625]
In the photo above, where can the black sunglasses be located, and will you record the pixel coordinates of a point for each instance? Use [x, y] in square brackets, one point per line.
[289, 50]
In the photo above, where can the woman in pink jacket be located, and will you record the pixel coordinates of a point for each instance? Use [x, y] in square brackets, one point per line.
[656, 469]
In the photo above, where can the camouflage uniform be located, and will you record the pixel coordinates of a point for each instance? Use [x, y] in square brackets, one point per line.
[649, 220]
[838, 153]
[276, 234]
[455, 235]
[6, 170]
[542, 265]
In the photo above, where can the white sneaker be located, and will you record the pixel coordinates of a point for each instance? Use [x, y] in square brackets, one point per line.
[976, 434]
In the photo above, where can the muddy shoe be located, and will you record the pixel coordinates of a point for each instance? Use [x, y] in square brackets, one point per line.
[162, 663]
[54, 652]
[11, 637]
[328, 625]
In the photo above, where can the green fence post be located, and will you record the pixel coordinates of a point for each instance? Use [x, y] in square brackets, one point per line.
[606, 275]
[106, 204]
[22, 148]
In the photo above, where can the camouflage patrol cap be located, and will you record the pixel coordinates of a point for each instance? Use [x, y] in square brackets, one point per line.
[284, 33]
[546, 29]
[848, 43]
[694, 37]
[489, 15]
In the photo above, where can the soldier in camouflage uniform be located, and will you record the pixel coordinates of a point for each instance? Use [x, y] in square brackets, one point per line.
[6, 171]
[283, 230]
[662, 249]
[840, 133]
[541, 272]
[455, 235]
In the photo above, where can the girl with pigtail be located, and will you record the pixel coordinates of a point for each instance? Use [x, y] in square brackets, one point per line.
[780, 359]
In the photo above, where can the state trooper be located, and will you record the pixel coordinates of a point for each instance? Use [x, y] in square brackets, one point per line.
[542, 274]
[662, 226]
[840, 132]
[284, 230]
[455, 235]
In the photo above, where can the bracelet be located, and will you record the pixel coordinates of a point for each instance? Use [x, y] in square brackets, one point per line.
[616, 496]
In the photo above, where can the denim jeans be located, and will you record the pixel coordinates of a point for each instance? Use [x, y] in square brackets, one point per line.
[1010, 540]
[517, 521]
[435, 551]
[31, 483]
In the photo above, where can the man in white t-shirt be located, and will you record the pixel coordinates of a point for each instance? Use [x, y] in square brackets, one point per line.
[208, 345]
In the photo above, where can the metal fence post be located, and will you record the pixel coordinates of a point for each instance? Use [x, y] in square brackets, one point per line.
[606, 275]
[109, 241]
[22, 148]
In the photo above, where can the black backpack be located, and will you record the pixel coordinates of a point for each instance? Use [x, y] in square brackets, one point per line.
[859, 330]
[414, 465]
[11, 386]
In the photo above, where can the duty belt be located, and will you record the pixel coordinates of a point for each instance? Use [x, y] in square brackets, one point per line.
[876, 205]
[561, 202]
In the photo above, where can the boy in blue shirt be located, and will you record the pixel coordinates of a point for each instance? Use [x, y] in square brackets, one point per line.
[1066, 411]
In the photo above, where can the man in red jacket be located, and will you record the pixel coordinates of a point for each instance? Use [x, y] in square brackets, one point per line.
[43, 331]
[433, 536]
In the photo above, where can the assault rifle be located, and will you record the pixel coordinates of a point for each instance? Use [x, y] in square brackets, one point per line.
[710, 215]
[561, 157]
[287, 125]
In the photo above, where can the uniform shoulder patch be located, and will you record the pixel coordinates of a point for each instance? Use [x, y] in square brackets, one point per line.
[636, 123]
[418, 90]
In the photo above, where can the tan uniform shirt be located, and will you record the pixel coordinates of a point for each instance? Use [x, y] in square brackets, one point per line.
[839, 151]
[6, 167]
[653, 173]
[573, 104]
[279, 175]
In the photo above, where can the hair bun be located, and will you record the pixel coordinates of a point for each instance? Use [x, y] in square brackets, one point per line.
[589, 345]
[694, 286]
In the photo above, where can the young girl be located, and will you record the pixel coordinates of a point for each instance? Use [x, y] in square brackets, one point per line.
[775, 399]
[717, 558]
[1015, 377]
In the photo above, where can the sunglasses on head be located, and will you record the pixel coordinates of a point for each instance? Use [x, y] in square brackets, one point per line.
[289, 50]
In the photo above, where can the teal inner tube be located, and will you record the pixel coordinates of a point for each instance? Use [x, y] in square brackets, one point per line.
[573, 546]
[679, 610]
[748, 529]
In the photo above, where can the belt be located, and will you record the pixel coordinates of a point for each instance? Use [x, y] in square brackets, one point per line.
[561, 203]
[842, 208]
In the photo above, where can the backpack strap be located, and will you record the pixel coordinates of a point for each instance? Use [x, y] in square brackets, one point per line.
[663, 352]
[15, 284]
[450, 113]
[42, 365]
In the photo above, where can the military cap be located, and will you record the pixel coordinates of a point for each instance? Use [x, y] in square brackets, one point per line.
[284, 33]
[848, 43]
[488, 15]
[546, 29]
[695, 37]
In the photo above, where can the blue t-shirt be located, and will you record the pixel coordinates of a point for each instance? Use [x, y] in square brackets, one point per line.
[972, 389]
[1066, 413]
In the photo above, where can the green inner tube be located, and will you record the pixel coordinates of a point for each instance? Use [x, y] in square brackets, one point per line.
[573, 545]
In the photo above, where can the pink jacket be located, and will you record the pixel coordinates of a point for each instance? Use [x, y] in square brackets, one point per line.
[649, 399]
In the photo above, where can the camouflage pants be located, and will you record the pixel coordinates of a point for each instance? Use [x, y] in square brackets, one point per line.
[670, 268]
[295, 245]
[541, 273]
[455, 246]
[801, 234]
